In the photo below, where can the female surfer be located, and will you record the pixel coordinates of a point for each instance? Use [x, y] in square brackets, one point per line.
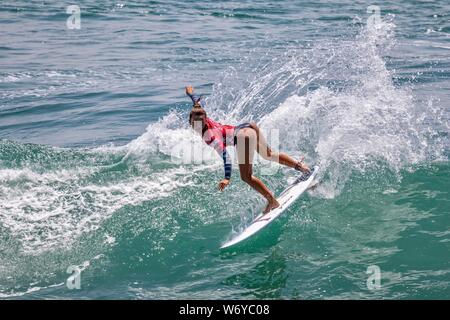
[247, 138]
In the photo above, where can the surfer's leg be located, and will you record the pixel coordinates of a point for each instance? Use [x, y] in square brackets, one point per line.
[258, 185]
[282, 158]
[246, 145]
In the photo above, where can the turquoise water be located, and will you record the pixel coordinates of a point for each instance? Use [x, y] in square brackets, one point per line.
[90, 119]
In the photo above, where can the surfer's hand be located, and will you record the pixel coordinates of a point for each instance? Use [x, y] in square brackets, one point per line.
[223, 184]
[189, 90]
[304, 168]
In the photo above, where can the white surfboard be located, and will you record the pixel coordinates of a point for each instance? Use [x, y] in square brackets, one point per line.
[286, 198]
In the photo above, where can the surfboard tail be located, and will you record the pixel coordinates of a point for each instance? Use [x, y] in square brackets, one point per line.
[286, 198]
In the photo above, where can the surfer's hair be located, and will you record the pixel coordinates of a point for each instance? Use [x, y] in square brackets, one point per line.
[196, 108]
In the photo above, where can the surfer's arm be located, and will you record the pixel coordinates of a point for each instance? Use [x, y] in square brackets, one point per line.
[222, 151]
[195, 98]
[226, 164]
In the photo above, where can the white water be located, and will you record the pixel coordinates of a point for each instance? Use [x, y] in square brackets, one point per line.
[334, 102]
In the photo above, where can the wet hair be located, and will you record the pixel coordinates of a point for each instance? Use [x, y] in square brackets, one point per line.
[197, 108]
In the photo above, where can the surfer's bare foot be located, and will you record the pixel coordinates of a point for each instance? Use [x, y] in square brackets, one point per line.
[302, 167]
[272, 204]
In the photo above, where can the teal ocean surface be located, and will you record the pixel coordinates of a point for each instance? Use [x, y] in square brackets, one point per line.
[95, 188]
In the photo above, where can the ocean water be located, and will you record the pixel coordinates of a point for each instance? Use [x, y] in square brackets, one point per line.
[90, 120]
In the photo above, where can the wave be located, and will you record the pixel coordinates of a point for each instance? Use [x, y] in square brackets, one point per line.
[333, 101]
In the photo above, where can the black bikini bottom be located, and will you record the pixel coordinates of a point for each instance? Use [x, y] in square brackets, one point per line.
[239, 127]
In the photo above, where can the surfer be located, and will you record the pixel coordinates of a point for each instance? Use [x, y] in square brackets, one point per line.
[247, 138]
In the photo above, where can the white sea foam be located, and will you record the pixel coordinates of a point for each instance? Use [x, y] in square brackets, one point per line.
[353, 119]
[334, 102]
[49, 210]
